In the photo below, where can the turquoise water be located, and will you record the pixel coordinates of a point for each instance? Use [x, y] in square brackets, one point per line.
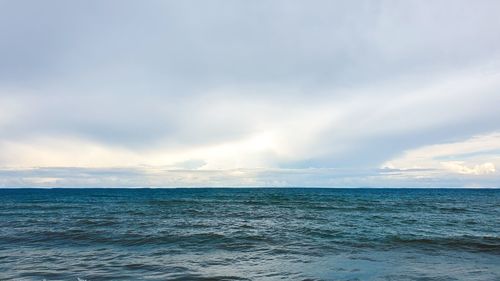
[249, 234]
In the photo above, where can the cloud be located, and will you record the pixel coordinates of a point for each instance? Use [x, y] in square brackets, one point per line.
[275, 92]
[470, 162]
[477, 149]
[190, 164]
[459, 167]
[158, 176]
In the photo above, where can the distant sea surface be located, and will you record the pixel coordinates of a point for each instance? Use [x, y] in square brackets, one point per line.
[250, 234]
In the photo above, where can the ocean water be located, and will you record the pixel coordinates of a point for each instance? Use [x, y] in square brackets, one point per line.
[249, 234]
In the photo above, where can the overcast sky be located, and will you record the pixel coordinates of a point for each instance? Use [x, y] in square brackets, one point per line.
[250, 93]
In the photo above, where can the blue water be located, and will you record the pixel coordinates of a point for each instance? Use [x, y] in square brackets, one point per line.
[249, 234]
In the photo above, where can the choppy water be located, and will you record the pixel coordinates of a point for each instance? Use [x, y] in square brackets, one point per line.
[249, 234]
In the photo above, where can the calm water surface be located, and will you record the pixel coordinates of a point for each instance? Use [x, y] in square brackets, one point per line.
[249, 234]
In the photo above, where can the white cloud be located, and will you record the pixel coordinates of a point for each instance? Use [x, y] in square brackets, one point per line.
[461, 168]
[477, 156]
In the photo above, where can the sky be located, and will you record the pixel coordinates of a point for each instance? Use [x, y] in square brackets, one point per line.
[249, 93]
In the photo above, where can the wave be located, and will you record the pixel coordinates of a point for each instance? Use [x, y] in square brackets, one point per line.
[488, 244]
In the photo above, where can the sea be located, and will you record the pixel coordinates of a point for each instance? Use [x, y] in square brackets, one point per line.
[249, 234]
